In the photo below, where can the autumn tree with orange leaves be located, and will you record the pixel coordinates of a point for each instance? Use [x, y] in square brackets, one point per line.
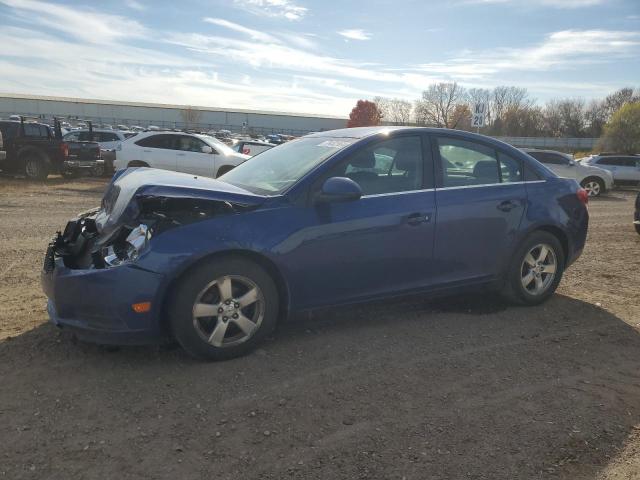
[364, 114]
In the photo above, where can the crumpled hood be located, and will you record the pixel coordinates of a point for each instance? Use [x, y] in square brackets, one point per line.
[117, 206]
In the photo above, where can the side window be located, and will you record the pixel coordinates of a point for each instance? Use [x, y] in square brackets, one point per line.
[390, 166]
[549, 158]
[157, 141]
[31, 130]
[190, 144]
[72, 137]
[467, 163]
[108, 137]
[84, 136]
[44, 131]
[510, 169]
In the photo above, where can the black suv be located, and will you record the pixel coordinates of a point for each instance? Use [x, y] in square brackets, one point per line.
[37, 150]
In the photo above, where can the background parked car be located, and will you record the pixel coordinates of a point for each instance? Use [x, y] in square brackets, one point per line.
[180, 152]
[108, 140]
[36, 150]
[593, 179]
[636, 215]
[3, 153]
[251, 147]
[624, 168]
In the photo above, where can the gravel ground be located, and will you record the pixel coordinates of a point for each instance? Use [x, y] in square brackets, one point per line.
[455, 388]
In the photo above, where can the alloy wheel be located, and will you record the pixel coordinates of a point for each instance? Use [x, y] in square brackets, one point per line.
[593, 188]
[538, 269]
[228, 311]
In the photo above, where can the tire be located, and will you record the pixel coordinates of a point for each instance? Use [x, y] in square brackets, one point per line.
[593, 185]
[520, 270]
[35, 168]
[224, 169]
[231, 330]
[137, 163]
[637, 228]
[98, 171]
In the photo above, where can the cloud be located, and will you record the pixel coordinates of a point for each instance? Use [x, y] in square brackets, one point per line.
[254, 34]
[565, 50]
[565, 4]
[135, 5]
[84, 24]
[273, 8]
[355, 34]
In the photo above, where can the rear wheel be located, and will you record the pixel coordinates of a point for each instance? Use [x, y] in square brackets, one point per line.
[637, 228]
[536, 270]
[223, 309]
[35, 168]
[593, 186]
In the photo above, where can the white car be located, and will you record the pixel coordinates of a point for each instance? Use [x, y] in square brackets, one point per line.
[108, 139]
[180, 152]
[593, 179]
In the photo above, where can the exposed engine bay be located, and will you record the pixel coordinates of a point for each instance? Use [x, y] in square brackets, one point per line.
[83, 244]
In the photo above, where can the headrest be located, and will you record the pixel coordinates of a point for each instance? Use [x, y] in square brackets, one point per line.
[486, 169]
[364, 159]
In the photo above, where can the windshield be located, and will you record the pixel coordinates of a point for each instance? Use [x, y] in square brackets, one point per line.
[217, 144]
[275, 170]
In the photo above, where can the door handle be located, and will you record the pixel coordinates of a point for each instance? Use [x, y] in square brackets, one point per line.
[418, 218]
[507, 205]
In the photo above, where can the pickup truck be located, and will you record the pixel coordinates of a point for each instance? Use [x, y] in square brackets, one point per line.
[37, 150]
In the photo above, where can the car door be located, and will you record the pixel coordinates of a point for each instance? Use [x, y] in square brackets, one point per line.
[627, 169]
[191, 158]
[481, 198]
[157, 151]
[376, 245]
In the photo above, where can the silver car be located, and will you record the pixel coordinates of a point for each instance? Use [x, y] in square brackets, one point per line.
[593, 179]
[624, 168]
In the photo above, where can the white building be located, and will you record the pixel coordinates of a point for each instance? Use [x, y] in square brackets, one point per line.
[164, 115]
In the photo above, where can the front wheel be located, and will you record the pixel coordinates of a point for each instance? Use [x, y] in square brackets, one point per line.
[223, 308]
[593, 186]
[536, 270]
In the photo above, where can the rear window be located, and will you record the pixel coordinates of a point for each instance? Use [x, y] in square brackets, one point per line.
[9, 130]
[36, 130]
[157, 141]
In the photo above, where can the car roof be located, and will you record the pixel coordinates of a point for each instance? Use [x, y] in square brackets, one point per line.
[362, 132]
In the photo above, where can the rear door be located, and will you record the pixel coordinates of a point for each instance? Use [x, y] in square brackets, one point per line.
[481, 199]
[157, 151]
[627, 169]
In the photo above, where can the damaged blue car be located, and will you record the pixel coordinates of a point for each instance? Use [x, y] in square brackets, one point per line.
[331, 218]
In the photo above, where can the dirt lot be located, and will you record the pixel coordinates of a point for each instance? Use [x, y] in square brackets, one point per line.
[457, 388]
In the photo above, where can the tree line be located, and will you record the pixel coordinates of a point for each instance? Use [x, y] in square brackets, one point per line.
[511, 111]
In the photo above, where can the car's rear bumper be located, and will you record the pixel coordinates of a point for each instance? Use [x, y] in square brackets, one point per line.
[96, 304]
[82, 164]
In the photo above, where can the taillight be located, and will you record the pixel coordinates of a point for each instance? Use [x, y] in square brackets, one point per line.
[64, 149]
[583, 196]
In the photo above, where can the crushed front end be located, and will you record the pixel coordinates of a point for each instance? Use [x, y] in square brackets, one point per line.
[95, 275]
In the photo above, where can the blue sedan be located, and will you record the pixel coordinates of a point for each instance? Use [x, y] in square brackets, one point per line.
[332, 218]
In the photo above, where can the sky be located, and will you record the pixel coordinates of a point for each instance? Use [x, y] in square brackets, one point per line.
[314, 56]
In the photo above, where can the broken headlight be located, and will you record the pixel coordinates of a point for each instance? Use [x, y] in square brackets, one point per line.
[128, 249]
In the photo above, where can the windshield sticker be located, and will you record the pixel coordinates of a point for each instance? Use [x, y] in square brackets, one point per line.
[334, 144]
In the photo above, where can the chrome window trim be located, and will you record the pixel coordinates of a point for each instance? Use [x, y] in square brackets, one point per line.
[404, 192]
[491, 185]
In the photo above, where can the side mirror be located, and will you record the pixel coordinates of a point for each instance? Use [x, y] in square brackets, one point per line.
[339, 189]
[572, 163]
[207, 149]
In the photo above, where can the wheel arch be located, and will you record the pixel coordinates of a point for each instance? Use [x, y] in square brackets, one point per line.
[556, 232]
[271, 268]
[137, 163]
